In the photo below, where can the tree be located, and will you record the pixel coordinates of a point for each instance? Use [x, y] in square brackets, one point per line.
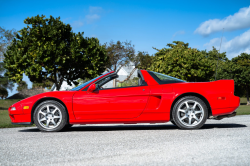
[241, 72]
[22, 85]
[48, 50]
[120, 54]
[4, 81]
[44, 84]
[183, 62]
[144, 60]
[6, 36]
[3, 92]
[219, 60]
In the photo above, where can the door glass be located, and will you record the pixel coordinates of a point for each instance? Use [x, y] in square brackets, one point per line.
[119, 82]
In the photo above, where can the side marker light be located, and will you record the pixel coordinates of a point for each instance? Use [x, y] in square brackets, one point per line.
[26, 107]
[221, 98]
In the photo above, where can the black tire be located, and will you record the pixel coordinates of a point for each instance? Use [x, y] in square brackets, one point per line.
[190, 113]
[173, 122]
[67, 126]
[50, 116]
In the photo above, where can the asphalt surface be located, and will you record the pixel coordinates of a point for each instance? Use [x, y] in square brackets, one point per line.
[225, 142]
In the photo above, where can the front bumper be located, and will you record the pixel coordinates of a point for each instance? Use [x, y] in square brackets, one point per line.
[20, 118]
[17, 115]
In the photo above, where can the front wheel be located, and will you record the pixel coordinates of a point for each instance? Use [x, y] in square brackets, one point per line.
[50, 116]
[190, 113]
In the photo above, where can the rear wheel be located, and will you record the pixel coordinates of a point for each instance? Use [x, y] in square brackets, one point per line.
[50, 116]
[190, 113]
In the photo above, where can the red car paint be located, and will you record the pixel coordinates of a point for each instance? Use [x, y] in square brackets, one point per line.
[140, 104]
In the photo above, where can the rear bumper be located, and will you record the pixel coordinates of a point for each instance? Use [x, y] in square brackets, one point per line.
[225, 116]
[224, 111]
[232, 106]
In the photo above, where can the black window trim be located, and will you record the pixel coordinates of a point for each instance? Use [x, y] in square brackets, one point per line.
[162, 81]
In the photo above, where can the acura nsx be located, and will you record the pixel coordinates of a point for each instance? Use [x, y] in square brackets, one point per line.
[149, 97]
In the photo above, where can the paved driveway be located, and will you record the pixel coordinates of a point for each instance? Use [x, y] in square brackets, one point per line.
[225, 142]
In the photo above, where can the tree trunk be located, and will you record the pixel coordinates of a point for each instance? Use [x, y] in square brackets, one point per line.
[59, 84]
[114, 83]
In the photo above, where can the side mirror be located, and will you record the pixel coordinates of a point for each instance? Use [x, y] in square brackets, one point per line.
[91, 88]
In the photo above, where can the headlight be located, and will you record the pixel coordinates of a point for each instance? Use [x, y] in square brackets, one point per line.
[13, 108]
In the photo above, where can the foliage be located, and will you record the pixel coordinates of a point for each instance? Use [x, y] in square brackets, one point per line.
[22, 85]
[183, 62]
[144, 60]
[48, 50]
[6, 36]
[241, 72]
[44, 84]
[3, 92]
[2, 69]
[238, 69]
[219, 60]
[120, 54]
[5, 83]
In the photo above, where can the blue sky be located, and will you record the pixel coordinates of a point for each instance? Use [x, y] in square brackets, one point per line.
[146, 24]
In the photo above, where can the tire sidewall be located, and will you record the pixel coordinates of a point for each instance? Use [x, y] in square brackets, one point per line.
[175, 115]
[64, 119]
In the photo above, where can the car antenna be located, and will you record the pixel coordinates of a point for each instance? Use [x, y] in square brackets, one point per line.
[219, 54]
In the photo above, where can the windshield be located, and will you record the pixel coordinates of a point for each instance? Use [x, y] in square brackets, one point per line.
[164, 77]
[86, 83]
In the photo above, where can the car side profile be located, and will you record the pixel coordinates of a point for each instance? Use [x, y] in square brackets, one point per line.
[150, 98]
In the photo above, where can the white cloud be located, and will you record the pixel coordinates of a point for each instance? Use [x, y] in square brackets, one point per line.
[239, 20]
[92, 17]
[95, 9]
[94, 14]
[178, 33]
[233, 47]
[77, 24]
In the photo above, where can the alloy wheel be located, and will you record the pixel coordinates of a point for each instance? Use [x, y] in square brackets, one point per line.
[49, 116]
[190, 113]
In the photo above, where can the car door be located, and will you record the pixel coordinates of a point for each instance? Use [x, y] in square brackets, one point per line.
[114, 103]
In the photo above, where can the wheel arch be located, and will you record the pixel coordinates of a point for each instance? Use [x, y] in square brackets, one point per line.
[192, 94]
[46, 99]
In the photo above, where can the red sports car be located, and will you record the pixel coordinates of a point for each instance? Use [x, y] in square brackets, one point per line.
[149, 98]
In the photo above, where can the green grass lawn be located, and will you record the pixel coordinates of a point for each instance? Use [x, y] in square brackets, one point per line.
[243, 109]
[6, 123]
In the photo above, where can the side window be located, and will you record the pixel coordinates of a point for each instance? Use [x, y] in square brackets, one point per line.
[119, 82]
[128, 82]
